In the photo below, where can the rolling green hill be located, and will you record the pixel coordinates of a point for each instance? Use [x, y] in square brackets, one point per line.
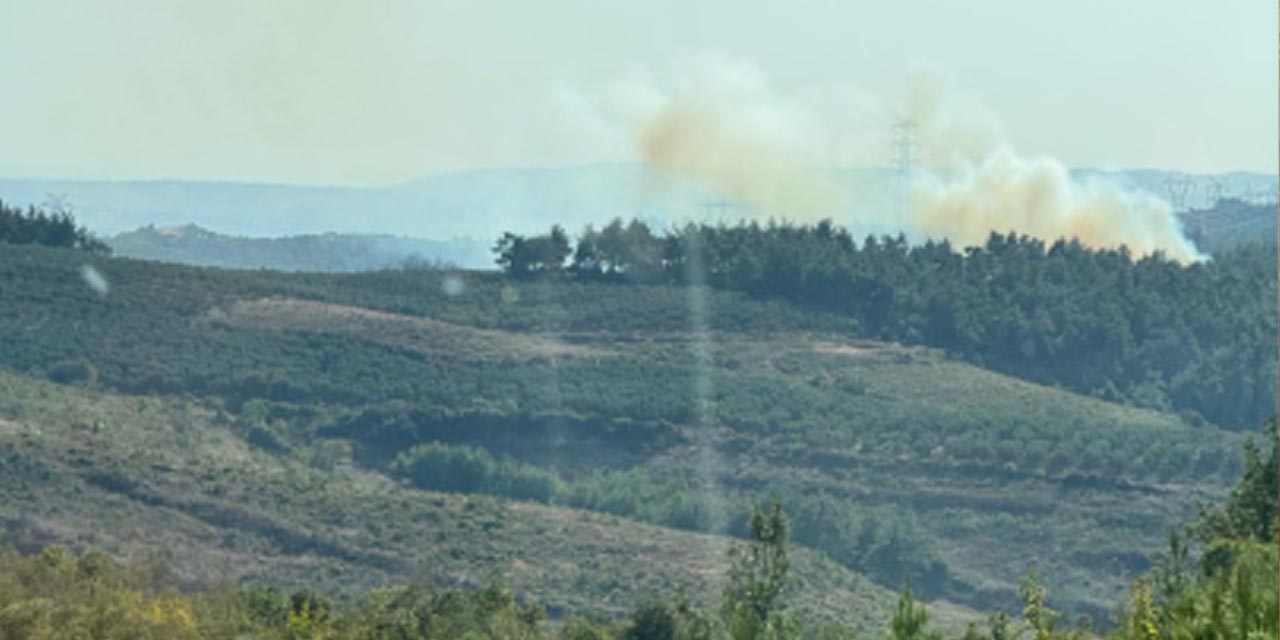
[679, 406]
[150, 478]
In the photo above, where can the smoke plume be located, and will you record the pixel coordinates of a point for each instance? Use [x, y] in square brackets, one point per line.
[722, 128]
[1037, 197]
[972, 182]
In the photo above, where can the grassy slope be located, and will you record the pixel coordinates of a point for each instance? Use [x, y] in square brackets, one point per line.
[997, 473]
[148, 477]
[1039, 497]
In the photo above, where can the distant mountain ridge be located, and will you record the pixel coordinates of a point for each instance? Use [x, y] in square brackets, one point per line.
[195, 245]
[439, 206]
[475, 203]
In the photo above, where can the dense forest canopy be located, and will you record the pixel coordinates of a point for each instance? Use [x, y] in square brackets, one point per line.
[1197, 339]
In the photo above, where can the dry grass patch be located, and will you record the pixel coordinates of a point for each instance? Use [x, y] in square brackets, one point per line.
[425, 336]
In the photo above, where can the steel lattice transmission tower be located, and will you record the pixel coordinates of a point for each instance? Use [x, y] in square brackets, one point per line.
[904, 142]
[1177, 186]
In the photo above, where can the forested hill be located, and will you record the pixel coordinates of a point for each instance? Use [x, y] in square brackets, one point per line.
[1197, 339]
[1231, 223]
[190, 244]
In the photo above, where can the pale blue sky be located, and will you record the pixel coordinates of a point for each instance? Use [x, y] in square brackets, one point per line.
[329, 91]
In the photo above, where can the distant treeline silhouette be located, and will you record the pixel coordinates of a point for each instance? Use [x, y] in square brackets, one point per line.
[37, 226]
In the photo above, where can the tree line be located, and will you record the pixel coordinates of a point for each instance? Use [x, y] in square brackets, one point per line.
[1198, 339]
[37, 226]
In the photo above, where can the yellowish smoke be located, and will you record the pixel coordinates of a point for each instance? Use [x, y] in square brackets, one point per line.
[725, 131]
[1037, 197]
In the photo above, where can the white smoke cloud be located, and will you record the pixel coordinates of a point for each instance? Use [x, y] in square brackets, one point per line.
[973, 182]
[724, 128]
[1037, 197]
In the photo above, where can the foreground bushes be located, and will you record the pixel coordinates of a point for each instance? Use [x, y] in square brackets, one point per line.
[55, 594]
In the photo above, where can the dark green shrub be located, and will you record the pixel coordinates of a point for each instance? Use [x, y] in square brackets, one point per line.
[464, 469]
[73, 371]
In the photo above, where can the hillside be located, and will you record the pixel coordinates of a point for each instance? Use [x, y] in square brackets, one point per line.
[672, 405]
[438, 206]
[191, 244]
[150, 478]
[1231, 223]
[474, 203]
[1197, 339]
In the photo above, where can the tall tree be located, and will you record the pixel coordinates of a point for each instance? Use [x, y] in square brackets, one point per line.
[752, 600]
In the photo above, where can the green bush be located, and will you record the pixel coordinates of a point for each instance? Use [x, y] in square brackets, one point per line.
[462, 469]
[73, 371]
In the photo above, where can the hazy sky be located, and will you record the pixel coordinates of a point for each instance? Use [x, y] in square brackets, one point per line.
[373, 92]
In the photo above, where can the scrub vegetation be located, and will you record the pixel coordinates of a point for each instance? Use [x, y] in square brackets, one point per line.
[253, 450]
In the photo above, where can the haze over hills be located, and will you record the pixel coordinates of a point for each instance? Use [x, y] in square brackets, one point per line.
[191, 244]
[476, 204]
[1230, 223]
[565, 320]
[442, 206]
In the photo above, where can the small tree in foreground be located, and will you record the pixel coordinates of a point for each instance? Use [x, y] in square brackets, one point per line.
[752, 601]
[910, 621]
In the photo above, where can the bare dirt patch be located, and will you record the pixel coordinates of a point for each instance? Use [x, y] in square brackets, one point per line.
[8, 427]
[849, 350]
[425, 336]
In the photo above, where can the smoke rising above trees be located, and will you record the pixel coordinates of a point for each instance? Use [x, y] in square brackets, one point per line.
[723, 127]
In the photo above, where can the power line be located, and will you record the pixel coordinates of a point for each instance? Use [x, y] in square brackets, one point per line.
[1214, 189]
[719, 205]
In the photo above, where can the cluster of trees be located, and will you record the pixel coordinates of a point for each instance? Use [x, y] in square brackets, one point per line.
[877, 542]
[881, 543]
[1198, 339]
[618, 251]
[463, 469]
[37, 226]
[1218, 578]
[55, 594]
[524, 256]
